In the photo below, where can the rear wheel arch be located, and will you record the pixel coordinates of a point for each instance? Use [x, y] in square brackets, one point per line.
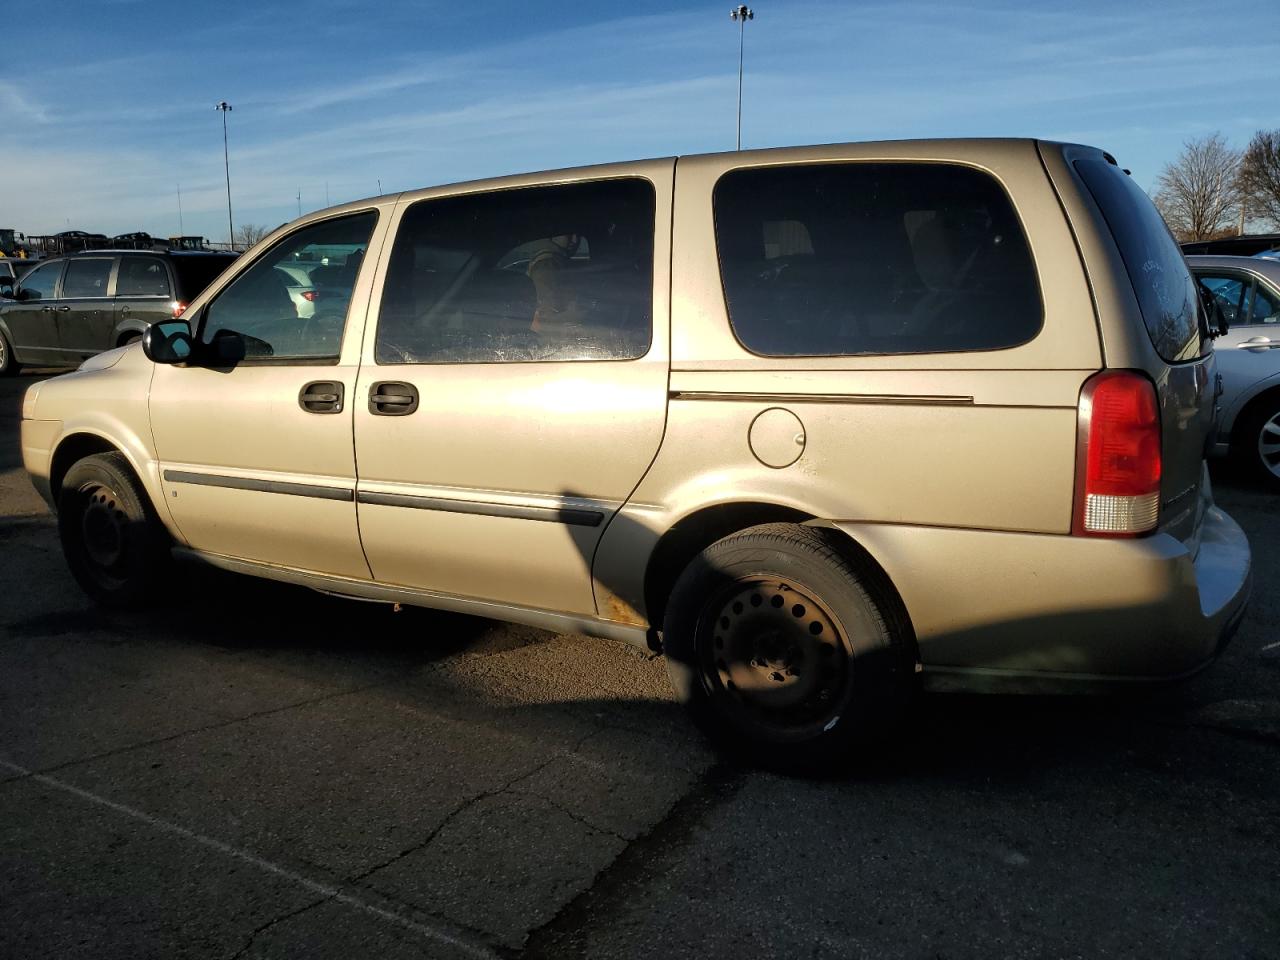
[689, 536]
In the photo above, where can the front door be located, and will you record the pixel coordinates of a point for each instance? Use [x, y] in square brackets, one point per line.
[32, 321]
[514, 391]
[86, 314]
[256, 459]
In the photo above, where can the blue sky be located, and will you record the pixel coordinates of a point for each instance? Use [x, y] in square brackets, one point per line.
[106, 106]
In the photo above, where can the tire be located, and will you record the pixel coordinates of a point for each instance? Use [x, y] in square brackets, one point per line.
[8, 363]
[117, 549]
[786, 652]
[1258, 444]
[129, 338]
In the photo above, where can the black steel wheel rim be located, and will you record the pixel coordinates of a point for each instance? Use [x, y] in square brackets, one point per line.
[774, 656]
[103, 532]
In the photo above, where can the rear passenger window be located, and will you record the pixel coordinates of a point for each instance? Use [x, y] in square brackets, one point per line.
[873, 258]
[535, 274]
[87, 277]
[142, 277]
[1166, 293]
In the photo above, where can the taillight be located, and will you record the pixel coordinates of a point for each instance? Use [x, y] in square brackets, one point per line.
[1118, 456]
[178, 309]
[311, 296]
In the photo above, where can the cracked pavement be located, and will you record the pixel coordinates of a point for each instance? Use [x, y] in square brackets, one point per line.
[261, 771]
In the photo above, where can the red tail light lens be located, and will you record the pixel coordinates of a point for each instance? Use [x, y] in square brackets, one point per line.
[311, 296]
[178, 309]
[1118, 468]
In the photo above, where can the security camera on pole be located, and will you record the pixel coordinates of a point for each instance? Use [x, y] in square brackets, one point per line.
[225, 108]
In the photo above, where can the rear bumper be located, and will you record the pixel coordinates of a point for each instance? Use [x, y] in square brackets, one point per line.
[1042, 613]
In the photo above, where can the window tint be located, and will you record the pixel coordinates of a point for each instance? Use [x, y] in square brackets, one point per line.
[1166, 293]
[544, 273]
[197, 272]
[39, 283]
[87, 277]
[873, 258]
[267, 308]
[142, 277]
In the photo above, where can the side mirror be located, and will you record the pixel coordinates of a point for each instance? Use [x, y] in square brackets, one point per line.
[168, 342]
[225, 350]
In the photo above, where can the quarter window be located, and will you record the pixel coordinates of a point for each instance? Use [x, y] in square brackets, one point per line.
[41, 282]
[292, 302]
[87, 277]
[535, 274]
[142, 277]
[873, 258]
[1163, 285]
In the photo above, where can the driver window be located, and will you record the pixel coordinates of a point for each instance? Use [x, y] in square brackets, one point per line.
[292, 302]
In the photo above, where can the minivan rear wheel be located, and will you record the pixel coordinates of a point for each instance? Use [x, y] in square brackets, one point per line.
[784, 650]
[1258, 446]
[115, 546]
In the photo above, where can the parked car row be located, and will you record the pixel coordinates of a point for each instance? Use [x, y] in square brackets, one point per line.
[816, 423]
[67, 309]
[1245, 292]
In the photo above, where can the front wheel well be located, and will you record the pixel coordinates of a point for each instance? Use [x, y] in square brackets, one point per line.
[1267, 397]
[72, 449]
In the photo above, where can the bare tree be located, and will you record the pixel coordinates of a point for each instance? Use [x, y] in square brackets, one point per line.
[1198, 193]
[1260, 176]
[247, 234]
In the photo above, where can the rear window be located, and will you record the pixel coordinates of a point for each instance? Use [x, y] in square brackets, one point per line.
[873, 258]
[197, 272]
[1166, 293]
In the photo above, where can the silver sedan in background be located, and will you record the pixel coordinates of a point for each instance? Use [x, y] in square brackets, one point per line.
[1247, 291]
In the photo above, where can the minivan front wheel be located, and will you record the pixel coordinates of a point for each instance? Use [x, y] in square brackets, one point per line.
[784, 650]
[115, 546]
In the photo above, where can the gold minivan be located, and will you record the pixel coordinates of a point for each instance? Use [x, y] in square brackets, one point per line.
[820, 424]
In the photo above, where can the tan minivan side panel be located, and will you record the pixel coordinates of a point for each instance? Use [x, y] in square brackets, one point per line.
[978, 440]
[247, 472]
[499, 485]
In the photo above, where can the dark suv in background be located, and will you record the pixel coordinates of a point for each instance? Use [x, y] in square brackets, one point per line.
[69, 308]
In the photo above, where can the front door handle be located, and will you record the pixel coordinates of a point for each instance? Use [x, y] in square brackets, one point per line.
[393, 398]
[65, 309]
[321, 396]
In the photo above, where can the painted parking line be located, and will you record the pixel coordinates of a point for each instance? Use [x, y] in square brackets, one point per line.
[324, 890]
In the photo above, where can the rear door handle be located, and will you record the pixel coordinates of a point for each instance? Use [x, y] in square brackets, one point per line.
[321, 396]
[393, 398]
[1258, 343]
[65, 309]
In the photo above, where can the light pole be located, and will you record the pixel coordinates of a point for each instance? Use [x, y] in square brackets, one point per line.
[741, 13]
[224, 108]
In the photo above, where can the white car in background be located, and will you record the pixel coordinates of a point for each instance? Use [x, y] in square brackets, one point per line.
[1247, 292]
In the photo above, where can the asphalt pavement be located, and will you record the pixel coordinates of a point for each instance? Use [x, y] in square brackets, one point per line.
[262, 771]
